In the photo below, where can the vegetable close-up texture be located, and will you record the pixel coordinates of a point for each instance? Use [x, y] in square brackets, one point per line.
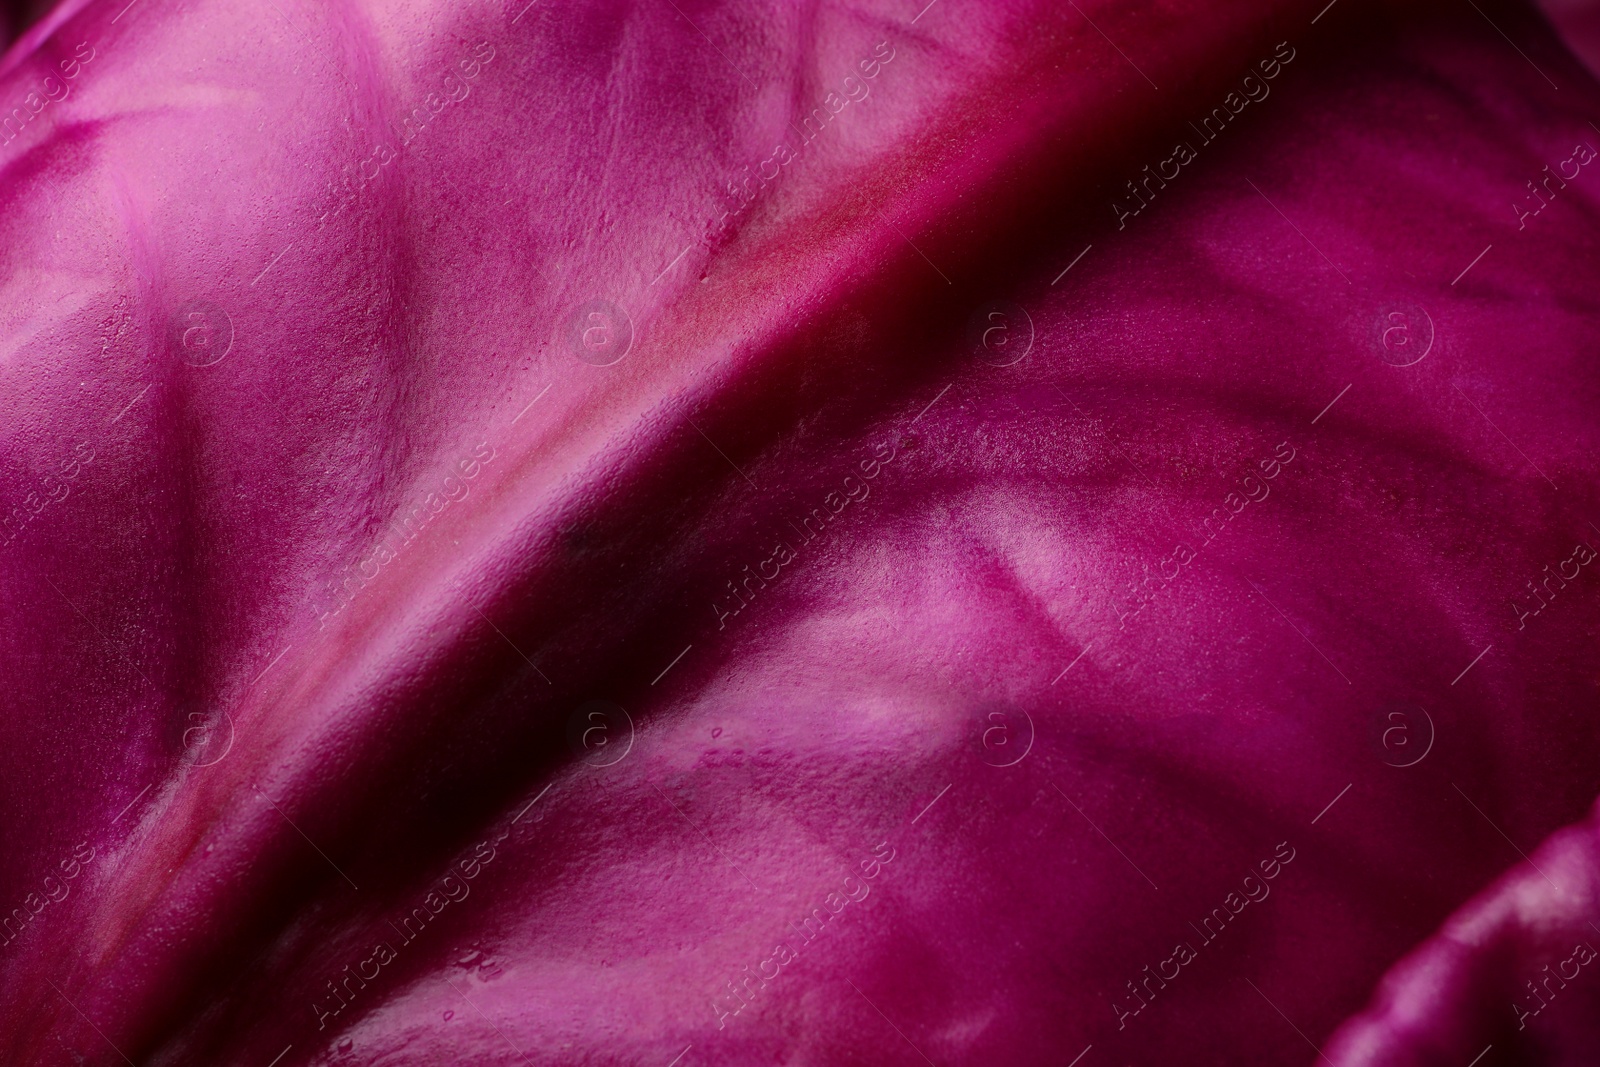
[675, 533]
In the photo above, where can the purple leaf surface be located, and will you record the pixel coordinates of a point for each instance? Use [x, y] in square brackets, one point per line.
[699, 533]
